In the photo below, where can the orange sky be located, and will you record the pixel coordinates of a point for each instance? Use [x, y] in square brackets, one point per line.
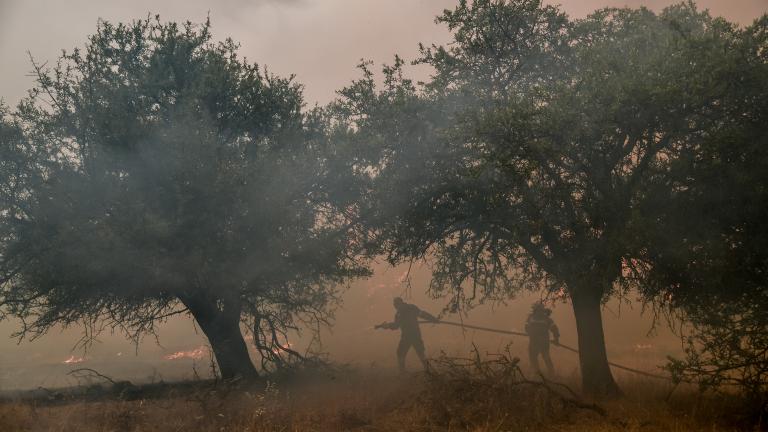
[320, 41]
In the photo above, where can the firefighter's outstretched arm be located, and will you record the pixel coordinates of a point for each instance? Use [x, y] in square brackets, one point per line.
[387, 326]
[427, 316]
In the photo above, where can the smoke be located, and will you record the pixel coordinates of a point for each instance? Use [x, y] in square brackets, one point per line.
[259, 3]
[367, 302]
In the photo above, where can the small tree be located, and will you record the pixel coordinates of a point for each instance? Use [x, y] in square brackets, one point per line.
[551, 133]
[172, 177]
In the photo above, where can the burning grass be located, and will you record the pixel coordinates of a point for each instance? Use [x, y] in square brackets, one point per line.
[477, 393]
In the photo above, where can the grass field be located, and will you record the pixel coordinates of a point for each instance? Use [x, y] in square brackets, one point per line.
[467, 395]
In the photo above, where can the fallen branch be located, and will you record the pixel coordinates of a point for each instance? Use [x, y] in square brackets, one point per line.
[75, 373]
[463, 393]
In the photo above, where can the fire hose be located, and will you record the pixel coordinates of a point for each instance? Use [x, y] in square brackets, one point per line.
[565, 347]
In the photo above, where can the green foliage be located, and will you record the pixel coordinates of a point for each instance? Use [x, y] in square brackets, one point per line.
[174, 171]
[727, 344]
[726, 347]
[708, 246]
[533, 145]
[500, 49]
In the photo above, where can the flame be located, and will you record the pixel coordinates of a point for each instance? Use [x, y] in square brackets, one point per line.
[403, 277]
[561, 294]
[373, 289]
[196, 354]
[74, 360]
[277, 350]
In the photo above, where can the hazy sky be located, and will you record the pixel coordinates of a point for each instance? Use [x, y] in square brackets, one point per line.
[320, 41]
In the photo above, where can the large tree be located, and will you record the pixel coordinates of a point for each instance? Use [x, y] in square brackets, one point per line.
[525, 161]
[168, 175]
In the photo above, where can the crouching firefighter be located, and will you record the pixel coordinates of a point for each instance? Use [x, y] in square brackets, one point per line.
[538, 326]
[407, 320]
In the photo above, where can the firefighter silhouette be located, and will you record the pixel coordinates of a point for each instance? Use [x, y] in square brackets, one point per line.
[538, 326]
[407, 320]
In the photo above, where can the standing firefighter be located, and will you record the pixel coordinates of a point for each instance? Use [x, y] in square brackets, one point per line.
[407, 320]
[538, 326]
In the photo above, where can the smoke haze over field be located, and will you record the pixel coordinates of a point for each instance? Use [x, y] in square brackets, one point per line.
[320, 41]
[352, 340]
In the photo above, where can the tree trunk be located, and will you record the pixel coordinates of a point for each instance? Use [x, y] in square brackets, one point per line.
[220, 321]
[596, 377]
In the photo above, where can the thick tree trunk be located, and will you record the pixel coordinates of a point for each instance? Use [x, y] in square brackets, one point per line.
[596, 377]
[221, 324]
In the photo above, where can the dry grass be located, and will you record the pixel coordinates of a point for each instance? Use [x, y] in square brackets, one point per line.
[476, 395]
